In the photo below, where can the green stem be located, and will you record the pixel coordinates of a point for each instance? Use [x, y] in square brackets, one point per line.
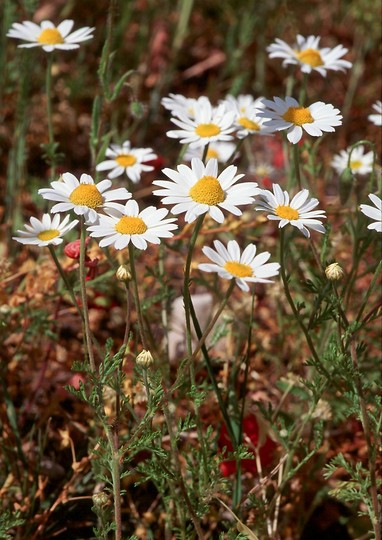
[68, 286]
[87, 332]
[136, 297]
[296, 161]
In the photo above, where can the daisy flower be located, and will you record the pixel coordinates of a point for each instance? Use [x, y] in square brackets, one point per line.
[288, 114]
[222, 151]
[376, 118]
[246, 267]
[247, 120]
[200, 189]
[48, 231]
[360, 163]
[125, 223]
[307, 54]
[373, 213]
[48, 36]
[124, 159]
[84, 196]
[208, 124]
[181, 105]
[298, 212]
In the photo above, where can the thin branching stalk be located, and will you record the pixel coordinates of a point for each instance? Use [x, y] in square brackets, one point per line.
[296, 162]
[136, 298]
[87, 333]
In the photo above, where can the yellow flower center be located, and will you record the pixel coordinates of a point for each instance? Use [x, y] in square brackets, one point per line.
[311, 57]
[131, 225]
[207, 190]
[355, 165]
[47, 235]
[86, 195]
[207, 130]
[50, 36]
[126, 160]
[298, 116]
[286, 212]
[238, 269]
[248, 124]
[211, 153]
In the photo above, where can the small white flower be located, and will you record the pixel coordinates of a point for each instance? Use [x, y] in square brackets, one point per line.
[376, 118]
[247, 120]
[84, 196]
[48, 36]
[207, 125]
[373, 213]
[298, 212]
[200, 189]
[48, 231]
[360, 163]
[125, 159]
[244, 267]
[181, 105]
[307, 54]
[125, 223]
[288, 114]
[222, 151]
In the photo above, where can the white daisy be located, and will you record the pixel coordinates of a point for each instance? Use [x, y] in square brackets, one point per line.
[222, 151]
[247, 120]
[181, 105]
[125, 159]
[244, 267]
[298, 212]
[48, 231]
[83, 196]
[376, 118]
[288, 114]
[200, 189]
[307, 54]
[48, 36]
[360, 163]
[125, 223]
[209, 124]
[373, 213]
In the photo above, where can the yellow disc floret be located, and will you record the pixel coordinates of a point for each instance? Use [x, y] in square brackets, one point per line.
[312, 57]
[355, 164]
[211, 153]
[248, 124]
[86, 195]
[50, 36]
[131, 225]
[207, 190]
[286, 212]
[298, 116]
[47, 235]
[207, 130]
[126, 160]
[238, 269]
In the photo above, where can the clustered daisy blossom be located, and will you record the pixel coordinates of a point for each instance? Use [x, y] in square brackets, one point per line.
[200, 189]
[373, 212]
[181, 105]
[123, 224]
[309, 56]
[376, 118]
[246, 267]
[124, 159]
[207, 124]
[48, 36]
[83, 196]
[247, 120]
[298, 212]
[360, 163]
[290, 115]
[45, 232]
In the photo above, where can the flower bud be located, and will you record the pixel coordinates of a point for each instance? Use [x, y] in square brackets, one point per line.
[334, 272]
[144, 359]
[100, 499]
[123, 274]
